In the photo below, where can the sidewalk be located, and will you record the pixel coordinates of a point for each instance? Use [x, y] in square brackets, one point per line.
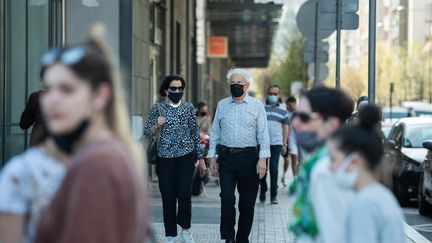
[270, 221]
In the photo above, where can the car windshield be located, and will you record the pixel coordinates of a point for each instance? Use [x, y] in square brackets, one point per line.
[415, 135]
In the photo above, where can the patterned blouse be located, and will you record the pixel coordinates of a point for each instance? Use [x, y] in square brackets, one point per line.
[179, 135]
[27, 184]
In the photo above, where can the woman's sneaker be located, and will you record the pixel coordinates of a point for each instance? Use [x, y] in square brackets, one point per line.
[170, 239]
[186, 236]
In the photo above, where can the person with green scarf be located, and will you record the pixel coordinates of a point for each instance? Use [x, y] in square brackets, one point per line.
[319, 205]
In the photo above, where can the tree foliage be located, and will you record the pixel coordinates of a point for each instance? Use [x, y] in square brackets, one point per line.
[406, 67]
[290, 68]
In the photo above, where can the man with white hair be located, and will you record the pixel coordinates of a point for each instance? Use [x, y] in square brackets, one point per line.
[240, 134]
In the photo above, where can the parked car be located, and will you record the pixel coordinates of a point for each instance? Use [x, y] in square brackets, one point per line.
[425, 185]
[404, 150]
[395, 113]
[421, 108]
[386, 128]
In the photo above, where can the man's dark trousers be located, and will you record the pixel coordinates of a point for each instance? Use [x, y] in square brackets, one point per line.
[238, 168]
[275, 151]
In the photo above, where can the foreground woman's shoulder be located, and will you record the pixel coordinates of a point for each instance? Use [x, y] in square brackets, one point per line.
[103, 153]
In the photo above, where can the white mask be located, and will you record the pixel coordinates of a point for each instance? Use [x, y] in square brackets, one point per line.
[346, 179]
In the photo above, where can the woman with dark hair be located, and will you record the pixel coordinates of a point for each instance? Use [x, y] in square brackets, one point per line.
[319, 205]
[32, 116]
[103, 196]
[179, 147]
[374, 215]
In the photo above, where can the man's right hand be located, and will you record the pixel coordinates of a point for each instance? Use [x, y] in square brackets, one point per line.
[284, 150]
[214, 167]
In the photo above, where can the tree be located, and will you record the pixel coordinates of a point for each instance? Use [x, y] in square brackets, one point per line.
[406, 69]
[290, 68]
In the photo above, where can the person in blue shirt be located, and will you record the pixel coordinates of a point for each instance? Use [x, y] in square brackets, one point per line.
[278, 126]
[240, 132]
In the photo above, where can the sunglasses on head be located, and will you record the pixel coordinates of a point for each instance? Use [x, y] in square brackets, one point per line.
[173, 89]
[303, 116]
[67, 56]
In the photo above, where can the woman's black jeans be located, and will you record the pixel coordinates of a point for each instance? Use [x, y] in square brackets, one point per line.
[175, 181]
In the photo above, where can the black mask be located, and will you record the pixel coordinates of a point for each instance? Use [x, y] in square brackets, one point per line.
[308, 141]
[203, 113]
[237, 90]
[65, 142]
[175, 97]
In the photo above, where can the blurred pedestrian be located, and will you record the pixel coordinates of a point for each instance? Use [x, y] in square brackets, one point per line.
[319, 204]
[204, 119]
[292, 153]
[240, 133]
[361, 102]
[27, 184]
[32, 116]
[374, 215]
[278, 127]
[103, 196]
[411, 112]
[178, 150]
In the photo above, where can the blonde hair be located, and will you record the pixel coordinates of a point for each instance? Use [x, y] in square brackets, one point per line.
[117, 115]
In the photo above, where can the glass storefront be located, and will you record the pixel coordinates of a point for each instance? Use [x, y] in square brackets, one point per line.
[28, 27]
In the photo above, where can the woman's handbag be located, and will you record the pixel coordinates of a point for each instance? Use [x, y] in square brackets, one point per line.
[152, 148]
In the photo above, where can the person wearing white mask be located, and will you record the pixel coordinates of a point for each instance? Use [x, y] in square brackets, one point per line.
[374, 215]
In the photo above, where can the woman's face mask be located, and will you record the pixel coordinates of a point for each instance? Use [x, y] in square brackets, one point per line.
[347, 179]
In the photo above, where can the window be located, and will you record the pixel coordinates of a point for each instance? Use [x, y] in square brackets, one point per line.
[415, 135]
[397, 135]
[28, 28]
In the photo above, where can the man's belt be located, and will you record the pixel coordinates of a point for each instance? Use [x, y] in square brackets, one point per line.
[225, 149]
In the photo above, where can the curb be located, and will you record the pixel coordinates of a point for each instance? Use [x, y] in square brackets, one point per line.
[414, 236]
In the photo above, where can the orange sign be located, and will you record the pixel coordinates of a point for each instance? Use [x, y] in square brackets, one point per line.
[217, 47]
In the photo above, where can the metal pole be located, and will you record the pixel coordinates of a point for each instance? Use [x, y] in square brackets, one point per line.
[372, 45]
[430, 53]
[316, 67]
[4, 76]
[391, 100]
[338, 40]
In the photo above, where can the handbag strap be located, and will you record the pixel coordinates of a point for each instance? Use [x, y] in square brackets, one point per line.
[160, 111]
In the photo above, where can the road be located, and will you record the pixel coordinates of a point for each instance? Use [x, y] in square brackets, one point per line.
[420, 223]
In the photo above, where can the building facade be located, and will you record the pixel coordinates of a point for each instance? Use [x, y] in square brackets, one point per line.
[151, 38]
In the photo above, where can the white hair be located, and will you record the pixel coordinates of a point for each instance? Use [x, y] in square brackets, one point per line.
[239, 71]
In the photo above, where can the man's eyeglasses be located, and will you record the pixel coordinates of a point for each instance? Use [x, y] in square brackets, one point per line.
[68, 56]
[173, 89]
[274, 94]
[305, 117]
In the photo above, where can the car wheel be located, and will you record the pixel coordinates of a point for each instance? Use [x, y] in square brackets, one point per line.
[424, 207]
[400, 194]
